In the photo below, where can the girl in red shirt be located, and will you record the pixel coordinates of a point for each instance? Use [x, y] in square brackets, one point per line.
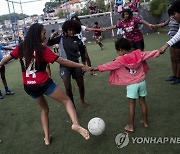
[33, 58]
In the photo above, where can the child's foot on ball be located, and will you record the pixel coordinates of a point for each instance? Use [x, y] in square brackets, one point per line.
[145, 124]
[129, 129]
[81, 131]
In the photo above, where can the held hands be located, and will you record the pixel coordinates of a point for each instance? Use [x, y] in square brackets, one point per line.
[103, 29]
[86, 68]
[163, 48]
[94, 69]
[152, 26]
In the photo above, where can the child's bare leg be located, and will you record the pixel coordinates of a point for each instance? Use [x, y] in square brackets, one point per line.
[44, 118]
[80, 83]
[142, 102]
[68, 87]
[130, 126]
[59, 95]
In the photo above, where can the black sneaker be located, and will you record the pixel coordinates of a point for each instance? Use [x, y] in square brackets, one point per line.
[171, 78]
[175, 81]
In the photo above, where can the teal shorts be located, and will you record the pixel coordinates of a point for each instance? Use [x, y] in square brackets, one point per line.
[136, 90]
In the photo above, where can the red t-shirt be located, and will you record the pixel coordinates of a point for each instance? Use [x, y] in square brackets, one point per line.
[97, 33]
[131, 29]
[36, 72]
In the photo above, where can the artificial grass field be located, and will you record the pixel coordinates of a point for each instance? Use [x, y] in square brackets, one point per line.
[20, 127]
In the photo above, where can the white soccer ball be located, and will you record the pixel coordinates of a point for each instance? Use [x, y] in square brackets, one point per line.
[96, 126]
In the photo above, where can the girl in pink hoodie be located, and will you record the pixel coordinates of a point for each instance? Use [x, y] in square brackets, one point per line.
[129, 69]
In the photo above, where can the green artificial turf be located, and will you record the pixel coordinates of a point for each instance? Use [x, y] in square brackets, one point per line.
[20, 127]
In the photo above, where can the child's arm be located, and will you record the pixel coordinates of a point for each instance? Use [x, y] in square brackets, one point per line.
[5, 60]
[51, 41]
[146, 23]
[94, 29]
[174, 39]
[70, 63]
[163, 23]
[109, 28]
[108, 66]
[151, 54]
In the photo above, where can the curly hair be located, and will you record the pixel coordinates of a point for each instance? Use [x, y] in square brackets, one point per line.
[123, 43]
[31, 43]
[75, 17]
[129, 12]
[71, 25]
[174, 7]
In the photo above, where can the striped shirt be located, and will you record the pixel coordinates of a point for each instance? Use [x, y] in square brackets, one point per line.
[174, 39]
[173, 27]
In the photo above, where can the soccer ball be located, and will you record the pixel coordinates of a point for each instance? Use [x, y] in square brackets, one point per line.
[96, 126]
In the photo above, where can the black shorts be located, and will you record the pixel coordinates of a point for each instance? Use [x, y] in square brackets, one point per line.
[138, 45]
[68, 71]
[2, 69]
[37, 90]
[176, 45]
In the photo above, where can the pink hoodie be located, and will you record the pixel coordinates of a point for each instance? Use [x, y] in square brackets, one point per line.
[130, 68]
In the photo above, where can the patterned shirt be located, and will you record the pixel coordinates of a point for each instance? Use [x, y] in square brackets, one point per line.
[131, 29]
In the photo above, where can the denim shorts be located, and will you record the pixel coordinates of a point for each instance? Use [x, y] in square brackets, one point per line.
[136, 90]
[38, 90]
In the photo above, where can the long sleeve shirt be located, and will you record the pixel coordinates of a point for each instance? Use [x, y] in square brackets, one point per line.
[69, 47]
[130, 68]
[174, 39]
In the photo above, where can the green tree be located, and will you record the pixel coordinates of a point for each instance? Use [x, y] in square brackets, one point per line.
[100, 4]
[84, 11]
[157, 7]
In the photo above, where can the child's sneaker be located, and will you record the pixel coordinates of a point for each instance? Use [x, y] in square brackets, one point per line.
[176, 81]
[9, 92]
[171, 78]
